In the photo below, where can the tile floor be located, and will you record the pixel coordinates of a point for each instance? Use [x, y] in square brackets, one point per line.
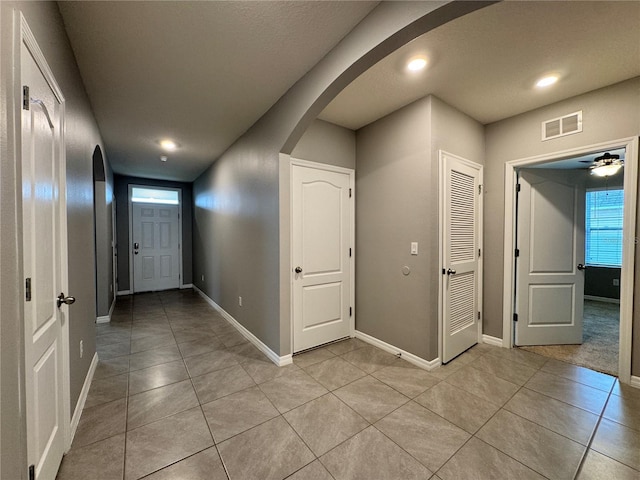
[180, 395]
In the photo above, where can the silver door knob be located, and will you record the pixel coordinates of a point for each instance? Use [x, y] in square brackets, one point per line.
[582, 267]
[66, 300]
[298, 270]
[451, 271]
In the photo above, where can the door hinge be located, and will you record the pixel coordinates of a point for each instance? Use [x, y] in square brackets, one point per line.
[350, 311]
[25, 97]
[517, 252]
[27, 289]
[349, 252]
[350, 193]
[479, 252]
[517, 187]
[479, 189]
[515, 317]
[478, 315]
[32, 472]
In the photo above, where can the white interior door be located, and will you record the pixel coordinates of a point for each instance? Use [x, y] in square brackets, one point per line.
[550, 240]
[156, 249]
[322, 230]
[44, 260]
[461, 236]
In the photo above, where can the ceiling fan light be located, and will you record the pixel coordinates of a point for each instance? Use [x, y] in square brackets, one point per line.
[606, 170]
[417, 64]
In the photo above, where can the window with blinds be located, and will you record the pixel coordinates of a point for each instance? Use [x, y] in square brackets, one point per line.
[603, 229]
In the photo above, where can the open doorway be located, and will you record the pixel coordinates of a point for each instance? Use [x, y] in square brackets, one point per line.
[549, 283]
[569, 232]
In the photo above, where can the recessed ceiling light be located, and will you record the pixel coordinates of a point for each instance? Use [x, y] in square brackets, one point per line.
[547, 81]
[417, 64]
[168, 145]
[163, 158]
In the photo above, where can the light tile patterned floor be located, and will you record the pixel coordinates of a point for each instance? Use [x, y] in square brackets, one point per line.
[178, 394]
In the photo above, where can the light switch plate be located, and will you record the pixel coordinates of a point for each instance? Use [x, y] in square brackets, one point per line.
[414, 248]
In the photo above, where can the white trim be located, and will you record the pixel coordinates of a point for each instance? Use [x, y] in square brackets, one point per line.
[130, 226]
[185, 286]
[634, 381]
[23, 34]
[122, 293]
[628, 253]
[489, 340]
[81, 400]
[441, 243]
[409, 357]
[352, 240]
[273, 356]
[107, 318]
[602, 299]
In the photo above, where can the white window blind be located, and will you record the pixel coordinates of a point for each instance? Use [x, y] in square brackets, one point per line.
[604, 211]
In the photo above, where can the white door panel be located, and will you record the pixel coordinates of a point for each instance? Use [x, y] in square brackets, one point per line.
[43, 257]
[461, 236]
[321, 237]
[550, 239]
[156, 261]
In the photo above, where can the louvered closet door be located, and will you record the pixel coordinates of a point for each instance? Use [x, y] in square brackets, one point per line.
[461, 270]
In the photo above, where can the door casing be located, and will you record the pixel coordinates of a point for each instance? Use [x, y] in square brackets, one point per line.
[441, 253]
[329, 168]
[130, 226]
[24, 35]
[628, 248]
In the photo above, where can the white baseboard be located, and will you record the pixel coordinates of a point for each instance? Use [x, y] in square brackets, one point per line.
[123, 292]
[409, 357]
[602, 299]
[273, 356]
[635, 381]
[82, 399]
[186, 286]
[107, 318]
[489, 340]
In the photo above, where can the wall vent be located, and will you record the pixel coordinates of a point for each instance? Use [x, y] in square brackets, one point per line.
[561, 126]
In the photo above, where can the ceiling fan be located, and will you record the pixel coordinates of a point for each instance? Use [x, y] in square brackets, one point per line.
[605, 165]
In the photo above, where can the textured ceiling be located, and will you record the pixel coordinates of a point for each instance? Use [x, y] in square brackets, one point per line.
[485, 63]
[200, 73]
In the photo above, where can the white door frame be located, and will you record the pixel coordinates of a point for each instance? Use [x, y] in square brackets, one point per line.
[441, 243]
[130, 208]
[628, 248]
[24, 35]
[352, 240]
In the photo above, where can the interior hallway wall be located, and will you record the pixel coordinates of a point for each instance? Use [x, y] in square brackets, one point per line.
[396, 204]
[608, 114]
[241, 216]
[81, 137]
[123, 225]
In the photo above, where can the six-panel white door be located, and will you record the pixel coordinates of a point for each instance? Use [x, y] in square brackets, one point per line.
[461, 278]
[550, 239]
[156, 251]
[44, 259]
[322, 269]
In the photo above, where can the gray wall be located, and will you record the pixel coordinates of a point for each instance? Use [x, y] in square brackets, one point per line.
[324, 142]
[608, 114]
[396, 204]
[598, 282]
[81, 135]
[103, 205]
[121, 189]
[241, 216]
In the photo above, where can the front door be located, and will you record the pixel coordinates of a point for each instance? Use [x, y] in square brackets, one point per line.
[322, 231]
[44, 259]
[461, 181]
[549, 265]
[156, 247]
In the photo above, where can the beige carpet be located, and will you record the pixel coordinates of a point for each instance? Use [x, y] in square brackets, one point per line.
[599, 350]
